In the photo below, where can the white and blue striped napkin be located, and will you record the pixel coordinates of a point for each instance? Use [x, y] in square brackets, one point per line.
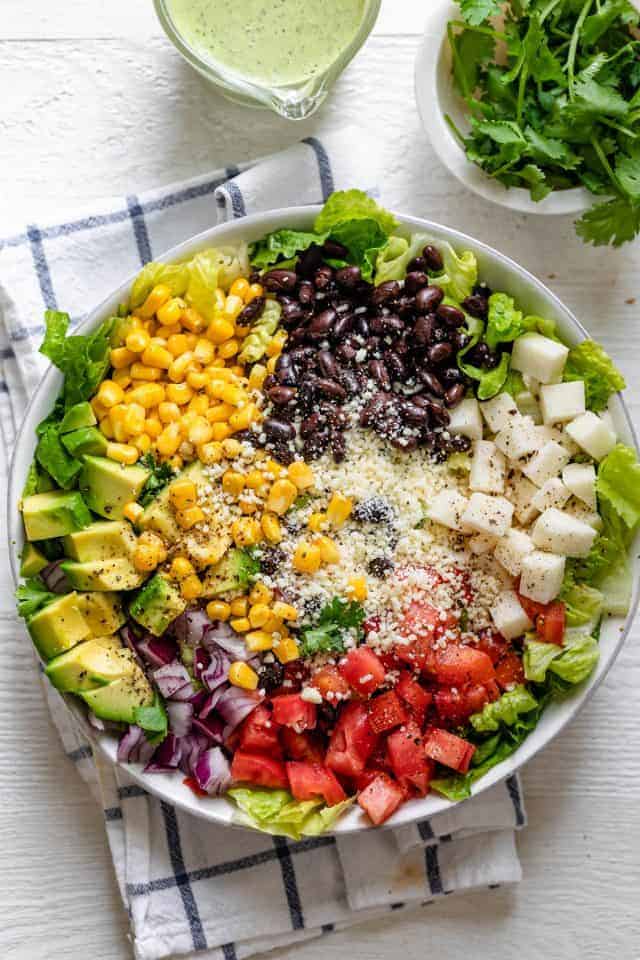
[188, 886]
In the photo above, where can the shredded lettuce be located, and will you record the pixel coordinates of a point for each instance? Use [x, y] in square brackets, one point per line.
[506, 710]
[276, 812]
[589, 362]
[573, 662]
[618, 482]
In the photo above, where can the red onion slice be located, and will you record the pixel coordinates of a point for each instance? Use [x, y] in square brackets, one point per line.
[171, 678]
[212, 727]
[212, 772]
[55, 579]
[234, 705]
[166, 757]
[191, 625]
[180, 717]
[157, 651]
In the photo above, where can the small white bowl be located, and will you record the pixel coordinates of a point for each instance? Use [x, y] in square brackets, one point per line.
[436, 97]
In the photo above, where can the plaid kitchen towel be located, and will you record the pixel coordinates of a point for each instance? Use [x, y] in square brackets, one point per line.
[187, 885]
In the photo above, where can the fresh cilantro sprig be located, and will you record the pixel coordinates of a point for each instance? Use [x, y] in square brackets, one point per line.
[327, 636]
[161, 474]
[553, 92]
[33, 596]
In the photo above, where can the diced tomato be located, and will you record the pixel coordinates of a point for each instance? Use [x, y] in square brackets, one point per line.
[414, 695]
[291, 710]
[448, 749]
[258, 769]
[195, 787]
[389, 660]
[381, 798]
[551, 623]
[419, 655]
[328, 681]
[509, 670]
[365, 778]
[259, 732]
[491, 643]
[422, 620]
[457, 665]
[302, 746]
[531, 607]
[456, 705]
[363, 670]
[309, 780]
[386, 712]
[352, 741]
[407, 757]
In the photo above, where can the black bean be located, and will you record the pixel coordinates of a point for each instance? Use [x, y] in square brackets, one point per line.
[309, 261]
[346, 352]
[431, 382]
[270, 675]
[350, 382]
[342, 326]
[420, 399]
[269, 382]
[315, 444]
[454, 395]
[286, 373]
[376, 325]
[309, 425]
[423, 330]
[342, 307]
[372, 410]
[322, 323]
[450, 315]
[437, 414]
[413, 413]
[380, 567]
[281, 396]
[380, 374]
[439, 352]
[327, 364]
[476, 305]
[361, 325]
[271, 560]
[338, 445]
[385, 291]
[392, 325]
[280, 281]
[277, 429]
[433, 258]
[348, 277]
[330, 389]
[306, 292]
[405, 305]
[297, 336]
[252, 310]
[374, 510]
[292, 311]
[334, 250]
[395, 365]
[418, 263]
[460, 339]
[323, 277]
[428, 299]
[404, 442]
[414, 280]
[450, 375]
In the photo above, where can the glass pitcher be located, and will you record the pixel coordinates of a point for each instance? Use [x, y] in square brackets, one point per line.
[293, 100]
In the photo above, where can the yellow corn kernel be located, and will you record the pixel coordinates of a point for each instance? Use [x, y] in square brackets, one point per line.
[156, 356]
[176, 461]
[216, 370]
[133, 420]
[219, 298]
[178, 367]
[156, 299]
[204, 351]
[157, 341]
[98, 408]
[274, 468]
[271, 527]
[242, 675]
[181, 568]
[190, 517]
[254, 479]
[257, 640]
[177, 344]
[286, 650]
[197, 379]
[221, 431]
[183, 494]
[148, 396]
[232, 306]
[140, 371]
[142, 443]
[137, 341]
[260, 593]
[357, 588]
[219, 413]
[248, 505]
[193, 321]
[246, 532]
[122, 377]
[168, 330]
[200, 432]
[219, 330]
[301, 474]
[146, 557]
[239, 287]
[339, 509]
[171, 311]
[168, 412]
[191, 587]
[229, 348]
[255, 290]
[285, 611]
[271, 364]
[120, 357]
[240, 624]
[276, 343]
[132, 511]
[241, 331]
[110, 393]
[169, 440]
[257, 376]
[239, 607]
[258, 615]
[210, 452]
[179, 393]
[307, 557]
[233, 395]
[116, 418]
[106, 427]
[152, 427]
[122, 453]
[218, 610]
[199, 404]
[328, 549]
[281, 496]
[243, 418]
[232, 483]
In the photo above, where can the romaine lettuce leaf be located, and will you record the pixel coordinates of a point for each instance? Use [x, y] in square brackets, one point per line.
[83, 360]
[173, 275]
[588, 361]
[282, 245]
[276, 812]
[458, 786]
[490, 382]
[537, 658]
[573, 662]
[345, 205]
[364, 239]
[460, 272]
[506, 710]
[618, 482]
[53, 456]
[583, 604]
[504, 321]
[394, 258]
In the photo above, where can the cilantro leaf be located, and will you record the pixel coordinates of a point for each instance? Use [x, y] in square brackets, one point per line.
[475, 11]
[335, 619]
[33, 596]
[628, 173]
[473, 49]
[161, 475]
[594, 97]
[617, 221]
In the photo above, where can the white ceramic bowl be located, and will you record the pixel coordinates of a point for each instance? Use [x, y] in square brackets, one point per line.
[436, 97]
[500, 273]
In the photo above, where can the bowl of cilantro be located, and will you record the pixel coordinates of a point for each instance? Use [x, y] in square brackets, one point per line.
[536, 106]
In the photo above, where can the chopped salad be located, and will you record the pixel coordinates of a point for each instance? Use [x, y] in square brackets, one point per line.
[324, 520]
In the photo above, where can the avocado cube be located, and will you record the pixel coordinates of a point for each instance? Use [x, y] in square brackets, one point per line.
[103, 540]
[160, 515]
[58, 627]
[54, 514]
[78, 416]
[32, 561]
[86, 440]
[108, 485]
[89, 666]
[116, 574]
[157, 605]
[102, 611]
[120, 700]
[230, 573]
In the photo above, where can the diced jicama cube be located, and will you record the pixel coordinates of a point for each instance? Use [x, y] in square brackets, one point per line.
[553, 493]
[547, 463]
[488, 468]
[498, 411]
[531, 383]
[559, 532]
[528, 406]
[508, 615]
[512, 549]
[580, 511]
[561, 402]
[519, 438]
[580, 480]
[447, 508]
[481, 543]
[465, 419]
[539, 357]
[541, 576]
[607, 418]
[592, 434]
[486, 514]
[521, 494]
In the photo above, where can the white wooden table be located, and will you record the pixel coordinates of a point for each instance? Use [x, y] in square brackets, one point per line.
[95, 101]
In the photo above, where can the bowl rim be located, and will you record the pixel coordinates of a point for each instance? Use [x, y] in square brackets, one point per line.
[426, 86]
[166, 787]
